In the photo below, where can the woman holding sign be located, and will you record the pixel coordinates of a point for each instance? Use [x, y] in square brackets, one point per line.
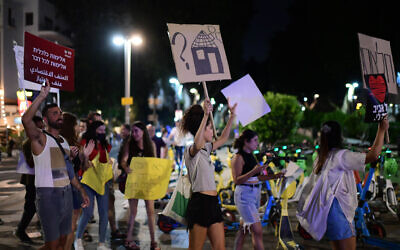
[95, 181]
[247, 174]
[335, 195]
[139, 145]
[204, 215]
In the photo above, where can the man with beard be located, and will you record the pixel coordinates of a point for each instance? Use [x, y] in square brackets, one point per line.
[52, 182]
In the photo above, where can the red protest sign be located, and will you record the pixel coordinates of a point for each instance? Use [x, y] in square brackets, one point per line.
[46, 60]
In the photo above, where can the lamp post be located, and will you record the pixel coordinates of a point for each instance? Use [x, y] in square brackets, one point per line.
[135, 40]
[350, 92]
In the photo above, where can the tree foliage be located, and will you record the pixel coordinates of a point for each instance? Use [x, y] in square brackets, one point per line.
[282, 121]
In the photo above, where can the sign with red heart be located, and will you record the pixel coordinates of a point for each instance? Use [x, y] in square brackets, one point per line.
[376, 107]
[377, 85]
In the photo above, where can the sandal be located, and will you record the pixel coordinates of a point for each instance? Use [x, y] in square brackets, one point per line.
[154, 246]
[131, 245]
[87, 237]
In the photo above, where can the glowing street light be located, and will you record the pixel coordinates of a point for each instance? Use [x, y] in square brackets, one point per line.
[134, 40]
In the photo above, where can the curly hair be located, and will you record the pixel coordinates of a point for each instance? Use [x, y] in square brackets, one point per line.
[192, 119]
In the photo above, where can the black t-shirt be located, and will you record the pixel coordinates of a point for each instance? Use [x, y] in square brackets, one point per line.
[159, 144]
[250, 162]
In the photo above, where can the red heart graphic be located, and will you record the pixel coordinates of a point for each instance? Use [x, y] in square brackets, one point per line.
[378, 87]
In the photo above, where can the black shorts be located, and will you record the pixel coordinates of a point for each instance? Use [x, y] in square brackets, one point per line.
[203, 210]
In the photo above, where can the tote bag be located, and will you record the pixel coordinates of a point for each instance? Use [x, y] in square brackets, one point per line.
[177, 205]
[315, 202]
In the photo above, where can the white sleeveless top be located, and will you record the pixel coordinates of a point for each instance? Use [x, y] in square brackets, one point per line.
[50, 168]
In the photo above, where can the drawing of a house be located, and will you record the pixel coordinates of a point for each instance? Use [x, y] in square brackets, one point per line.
[206, 56]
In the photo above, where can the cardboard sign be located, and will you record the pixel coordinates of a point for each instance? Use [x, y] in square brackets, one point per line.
[44, 60]
[376, 58]
[376, 107]
[251, 104]
[149, 178]
[198, 52]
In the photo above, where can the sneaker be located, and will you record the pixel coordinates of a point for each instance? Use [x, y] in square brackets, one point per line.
[22, 236]
[103, 246]
[78, 244]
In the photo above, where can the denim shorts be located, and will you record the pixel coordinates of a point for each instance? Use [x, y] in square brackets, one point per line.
[54, 208]
[247, 200]
[337, 226]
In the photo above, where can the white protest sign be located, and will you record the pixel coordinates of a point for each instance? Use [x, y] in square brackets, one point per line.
[376, 58]
[198, 52]
[251, 104]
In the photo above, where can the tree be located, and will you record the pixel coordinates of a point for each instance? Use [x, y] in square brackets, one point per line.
[282, 121]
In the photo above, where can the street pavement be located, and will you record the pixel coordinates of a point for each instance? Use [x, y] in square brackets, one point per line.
[11, 207]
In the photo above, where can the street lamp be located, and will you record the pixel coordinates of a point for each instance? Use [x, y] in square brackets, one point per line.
[135, 40]
[350, 92]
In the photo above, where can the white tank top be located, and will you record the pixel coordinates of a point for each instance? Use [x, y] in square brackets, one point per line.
[50, 168]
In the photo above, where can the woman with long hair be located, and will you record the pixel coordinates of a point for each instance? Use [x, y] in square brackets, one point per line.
[203, 211]
[139, 145]
[340, 164]
[70, 131]
[99, 156]
[247, 174]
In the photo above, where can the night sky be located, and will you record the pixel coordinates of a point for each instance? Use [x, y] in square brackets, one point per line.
[269, 17]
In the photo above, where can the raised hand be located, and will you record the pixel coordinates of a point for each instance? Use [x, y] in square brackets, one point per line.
[232, 109]
[207, 106]
[45, 90]
[88, 148]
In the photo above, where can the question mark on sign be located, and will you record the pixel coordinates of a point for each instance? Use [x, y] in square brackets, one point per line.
[184, 46]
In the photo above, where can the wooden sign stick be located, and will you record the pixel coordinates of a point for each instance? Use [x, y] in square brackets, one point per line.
[211, 114]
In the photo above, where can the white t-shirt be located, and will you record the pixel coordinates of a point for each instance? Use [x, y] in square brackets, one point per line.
[50, 168]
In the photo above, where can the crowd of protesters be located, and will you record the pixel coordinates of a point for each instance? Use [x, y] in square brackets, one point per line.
[61, 153]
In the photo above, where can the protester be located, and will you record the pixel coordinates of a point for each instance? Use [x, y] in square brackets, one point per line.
[139, 145]
[93, 116]
[203, 211]
[340, 163]
[82, 127]
[52, 174]
[29, 181]
[178, 141]
[70, 131]
[161, 147]
[101, 180]
[115, 232]
[247, 173]
[10, 146]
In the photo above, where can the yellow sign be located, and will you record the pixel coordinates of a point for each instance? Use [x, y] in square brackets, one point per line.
[126, 101]
[97, 176]
[149, 178]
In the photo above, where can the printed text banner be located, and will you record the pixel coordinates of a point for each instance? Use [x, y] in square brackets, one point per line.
[44, 60]
[149, 178]
[198, 52]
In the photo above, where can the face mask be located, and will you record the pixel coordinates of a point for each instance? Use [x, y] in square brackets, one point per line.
[101, 137]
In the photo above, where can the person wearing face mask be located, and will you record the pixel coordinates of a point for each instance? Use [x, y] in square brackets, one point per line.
[95, 182]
